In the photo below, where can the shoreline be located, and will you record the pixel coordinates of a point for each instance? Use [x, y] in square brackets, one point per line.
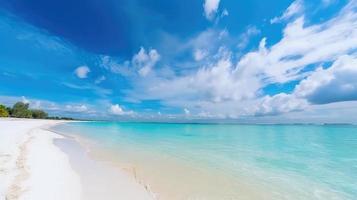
[96, 173]
[188, 174]
[37, 163]
[80, 144]
[172, 183]
[40, 161]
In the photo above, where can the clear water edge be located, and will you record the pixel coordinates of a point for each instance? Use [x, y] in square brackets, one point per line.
[204, 161]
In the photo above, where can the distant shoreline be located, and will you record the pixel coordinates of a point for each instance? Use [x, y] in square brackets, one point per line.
[218, 123]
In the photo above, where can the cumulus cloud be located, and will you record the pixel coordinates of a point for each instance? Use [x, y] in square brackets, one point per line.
[296, 8]
[336, 83]
[116, 109]
[141, 63]
[280, 103]
[210, 8]
[82, 71]
[223, 86]
[303, 45]
[144, 61]
[214, 83]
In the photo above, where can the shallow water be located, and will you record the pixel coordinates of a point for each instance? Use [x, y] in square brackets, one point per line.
[225, 161]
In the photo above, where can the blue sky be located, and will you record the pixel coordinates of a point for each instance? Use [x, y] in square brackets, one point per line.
[249, 61]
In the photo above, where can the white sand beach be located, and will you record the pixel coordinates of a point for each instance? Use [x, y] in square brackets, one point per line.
[37, 164]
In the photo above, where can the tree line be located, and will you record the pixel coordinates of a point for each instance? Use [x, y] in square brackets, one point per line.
[22, 110]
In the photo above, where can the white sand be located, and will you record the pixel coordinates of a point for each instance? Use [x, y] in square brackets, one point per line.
[101, 180]
[32, 167]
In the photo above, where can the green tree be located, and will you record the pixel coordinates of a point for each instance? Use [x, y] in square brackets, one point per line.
[21, 110]
[3, 111]
[39, 114]
[9, 110]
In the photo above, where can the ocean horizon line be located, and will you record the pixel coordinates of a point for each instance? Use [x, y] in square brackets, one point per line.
[219, 123]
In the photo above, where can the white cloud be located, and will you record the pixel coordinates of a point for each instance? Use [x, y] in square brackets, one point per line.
[31, 35]
[280, 103]
[82, 71]
[214, 82]
[201, 48]
[336, 83]
[245, 37]
[24, 100]
[49, 106]
[296, 8]
[116, 109]
[102, 92]
[174, 47]
[187, 111]
[144, 61]
[199, 54]
[141, 63]
[339, 112]
[100, 79]
[210, 8]
[116, 67]
[223, 87]
[303, 45]
[323, 86]
[76, 108]
[34, 104]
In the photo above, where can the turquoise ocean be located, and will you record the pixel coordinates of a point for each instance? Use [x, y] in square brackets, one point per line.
[229, 161]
